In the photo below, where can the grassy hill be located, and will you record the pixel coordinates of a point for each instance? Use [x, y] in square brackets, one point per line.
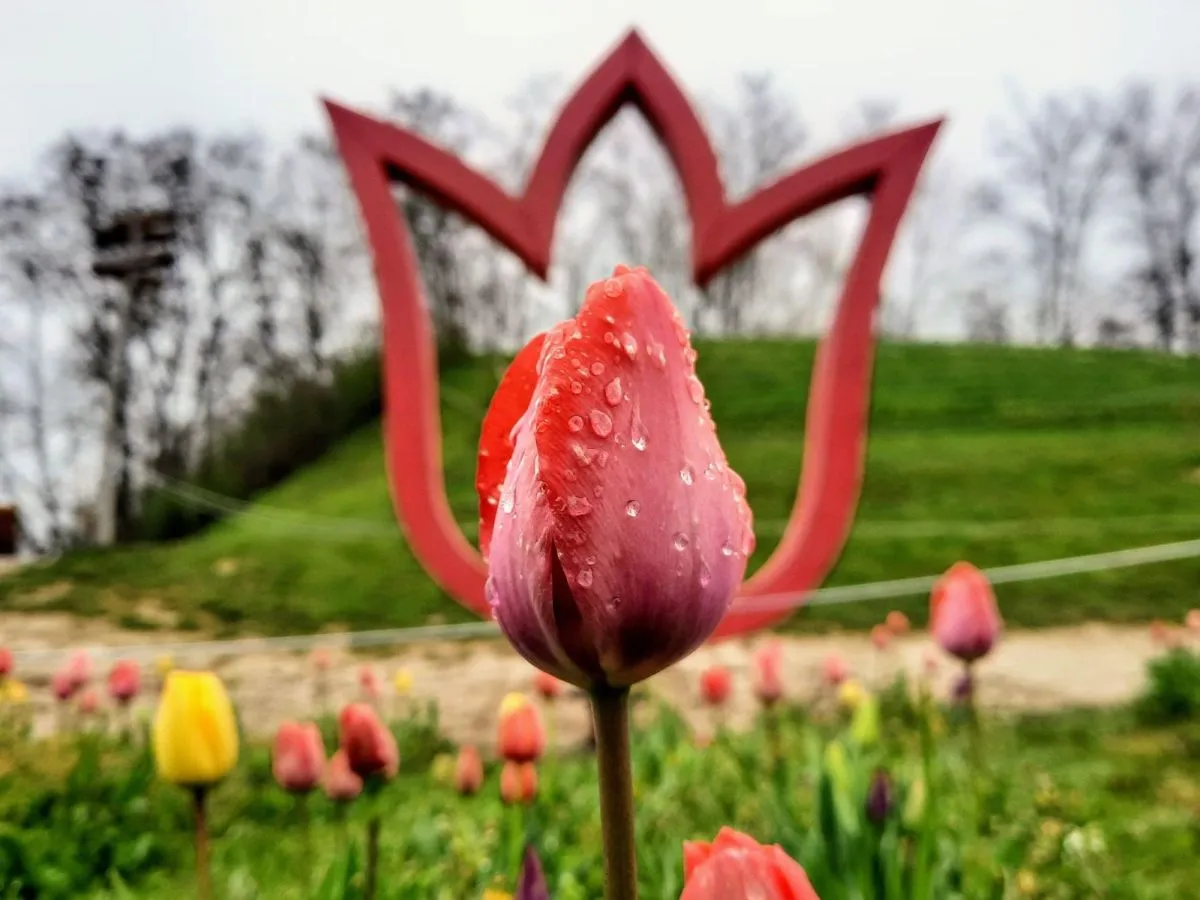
[996, 455]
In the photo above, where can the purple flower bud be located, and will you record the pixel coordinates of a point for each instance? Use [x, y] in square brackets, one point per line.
[881, 798]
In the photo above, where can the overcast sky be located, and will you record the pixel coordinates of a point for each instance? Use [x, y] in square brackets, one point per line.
[145, 64]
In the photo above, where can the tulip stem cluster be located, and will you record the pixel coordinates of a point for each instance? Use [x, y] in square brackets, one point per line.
[610, 712]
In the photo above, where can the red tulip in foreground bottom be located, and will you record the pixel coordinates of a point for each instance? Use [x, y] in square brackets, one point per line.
[369, 746]
[736, 866]
[299, 758]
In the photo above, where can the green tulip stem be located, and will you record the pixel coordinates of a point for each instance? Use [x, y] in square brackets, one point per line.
[610, 715]
[203, 882]
[304, 817]
[372, 880]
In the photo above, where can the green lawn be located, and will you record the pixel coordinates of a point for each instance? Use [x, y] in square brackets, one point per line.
[995, 455]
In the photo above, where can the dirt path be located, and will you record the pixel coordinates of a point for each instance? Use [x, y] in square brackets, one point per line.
[1080, 666]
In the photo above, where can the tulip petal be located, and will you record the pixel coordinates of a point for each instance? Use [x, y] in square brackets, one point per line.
[509, 403]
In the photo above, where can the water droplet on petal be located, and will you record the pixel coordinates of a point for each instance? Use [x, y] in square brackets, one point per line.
[609, 337]
[681, 333]
[632, 508]
[727, 549]
[584, 578]
[657, 355]
[491, 501]
[601, 422]
[613, 392]
[689, 356]
[686, 475]
[695, 389]
[577, 388]
[597, 368]
[583, 455]
[570, 475]
[615, 602]
[579, 506]
[705, 574]
[575, 423]
[637, 430]
[710, 472]
[629, 345]
[610, 320]
[613, 288]
[507, 502]
[681, 541]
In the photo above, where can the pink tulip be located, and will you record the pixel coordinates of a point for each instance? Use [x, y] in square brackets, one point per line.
[768, 682]
[715, 685]
[341, 784]
[89, 702]
[468, 771]
[62, 685]
[737, 866]
[835, 669]
[897, 622]
[6, 662]
[299, 758]
[78, 669]
[124, 681]
[370, 747]
[963, 614]
[368, 680]
[616, 533]
[881, 637]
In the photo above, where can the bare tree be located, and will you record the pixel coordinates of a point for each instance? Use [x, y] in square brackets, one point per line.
[1159, 156]
[1055, 165]
[986, 319]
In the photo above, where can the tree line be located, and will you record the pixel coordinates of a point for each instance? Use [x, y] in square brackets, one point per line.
[1081, 230]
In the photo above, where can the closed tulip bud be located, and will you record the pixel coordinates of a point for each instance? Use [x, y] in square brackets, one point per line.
[89, 702]
[370, 747]
[914, 805]
[62, 685]
[402, 681]
[835, 669]
[851, 694]
[340, 783]
[368, 680]
[897, 622]
[531, 883]
[6, 662]
[715, 685]
[735, 866]
[79, 669]
[124, 681]
[963, 615]
[13, 691]
[468, 773]
[768, 682]
[518, 783]
[195, 735]
[865, 725]
[321, 659]
[520, 736]
[615, 532]
[881, 637]
[548, 687]
[881, 797]
[299, 758]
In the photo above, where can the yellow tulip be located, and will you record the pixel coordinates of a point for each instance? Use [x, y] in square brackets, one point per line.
[195, 736]
[403, 682]
[851, 694]
[493, 894]
[14, 691]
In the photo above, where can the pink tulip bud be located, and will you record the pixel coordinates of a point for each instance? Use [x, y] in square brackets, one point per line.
[79, 669]
[715, 685]
[736, 865]
[835, 669]
[341, 784]
[547, 686]
[368, 680]
[124, 681]
[299, 757]
[6, 662]
[63, 685]
[370, 747]
[518, 782]
[963, 614]
[768, 663]
[468, 772]
[615, 531]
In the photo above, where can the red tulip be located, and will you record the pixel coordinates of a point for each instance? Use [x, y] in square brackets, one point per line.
[835, 669]
[63, 685]
[520, 736]
[6, 662]
[299, 758]
[340, 781]
[547, 686]
[124, 681]
[715, 685]
[89, 702]
[881, 636]
[518, 782]
[615, 531]
[370, 747]
[468, 773]
[897, 622]
[735, 865]
[78, 669]
[768, 662]
[963, 614]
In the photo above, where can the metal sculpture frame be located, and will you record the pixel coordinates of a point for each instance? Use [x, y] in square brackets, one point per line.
[885, 169]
